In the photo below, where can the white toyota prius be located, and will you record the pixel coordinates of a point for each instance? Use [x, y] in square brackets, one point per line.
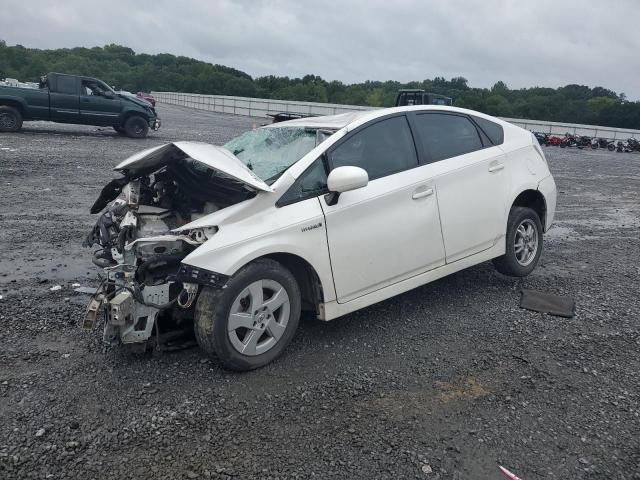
[322, 214]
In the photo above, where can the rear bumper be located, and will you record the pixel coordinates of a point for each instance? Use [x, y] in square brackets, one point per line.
[547, 187]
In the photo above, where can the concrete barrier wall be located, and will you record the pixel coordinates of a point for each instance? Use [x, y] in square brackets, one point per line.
[261, 107]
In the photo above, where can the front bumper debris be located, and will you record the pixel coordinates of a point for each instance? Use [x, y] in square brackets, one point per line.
[156, 124]
[190, 274]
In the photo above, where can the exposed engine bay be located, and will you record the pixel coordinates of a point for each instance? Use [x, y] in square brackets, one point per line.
[161, 189]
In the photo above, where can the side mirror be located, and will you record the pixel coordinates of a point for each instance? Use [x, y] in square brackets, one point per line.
[107, 94]
[344, 179]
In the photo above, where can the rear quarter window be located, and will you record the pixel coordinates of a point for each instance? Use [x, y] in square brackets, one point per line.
[67, 84]
[494, 131]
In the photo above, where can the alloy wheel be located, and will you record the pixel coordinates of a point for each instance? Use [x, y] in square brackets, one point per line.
[258, 317]
[526, 242]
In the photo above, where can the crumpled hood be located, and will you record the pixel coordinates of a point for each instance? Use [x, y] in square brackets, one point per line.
[217, 158]
[223, 216]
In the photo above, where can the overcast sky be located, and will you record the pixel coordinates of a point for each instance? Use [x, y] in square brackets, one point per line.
[524, 43]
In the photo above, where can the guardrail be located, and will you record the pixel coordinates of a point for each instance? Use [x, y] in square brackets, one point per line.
[261, 107]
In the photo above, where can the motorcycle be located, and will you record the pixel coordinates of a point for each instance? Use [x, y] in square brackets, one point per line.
[554, 140]
[633, 144]
[542, 138]
[606, 143]
[578, 141]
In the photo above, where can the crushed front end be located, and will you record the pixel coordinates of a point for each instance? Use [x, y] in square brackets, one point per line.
[145, 292]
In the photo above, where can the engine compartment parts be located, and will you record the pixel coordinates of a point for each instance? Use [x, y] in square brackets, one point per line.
[134, 238]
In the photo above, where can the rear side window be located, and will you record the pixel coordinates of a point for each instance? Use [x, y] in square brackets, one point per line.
[67, 84]
[384, 148]
[492, 129]
[446, 136]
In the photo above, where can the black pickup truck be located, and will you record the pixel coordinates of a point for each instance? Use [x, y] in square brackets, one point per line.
[73, 99]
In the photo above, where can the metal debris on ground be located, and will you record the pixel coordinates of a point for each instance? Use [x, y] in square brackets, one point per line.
[548, 303]
[88, 290]
[55, 288]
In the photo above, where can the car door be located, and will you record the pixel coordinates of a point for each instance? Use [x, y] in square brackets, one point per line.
[63, 99]
[98, 105]
[470, 181]
[388, 230]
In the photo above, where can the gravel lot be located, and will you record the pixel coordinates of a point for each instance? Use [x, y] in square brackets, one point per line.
[444, 382]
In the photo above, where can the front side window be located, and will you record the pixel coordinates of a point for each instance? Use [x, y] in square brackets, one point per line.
[312, 183]
[93, 87]
[67, 84]
[446, 136]
[384, 148]
[268, 152]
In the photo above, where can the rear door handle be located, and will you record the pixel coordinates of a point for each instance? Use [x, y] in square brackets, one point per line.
[496, 168]
[422, 193]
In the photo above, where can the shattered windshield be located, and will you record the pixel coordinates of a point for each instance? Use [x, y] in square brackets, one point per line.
[270, 151]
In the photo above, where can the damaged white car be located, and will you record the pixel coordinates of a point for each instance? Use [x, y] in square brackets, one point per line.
[324, 214]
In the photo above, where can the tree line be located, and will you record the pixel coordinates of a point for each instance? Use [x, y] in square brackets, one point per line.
[123, 68]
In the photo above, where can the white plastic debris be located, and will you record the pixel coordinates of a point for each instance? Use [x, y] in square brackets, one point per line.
[55, 288]
[426, 469]
[75, 285]
[40, 432]
[66, 355]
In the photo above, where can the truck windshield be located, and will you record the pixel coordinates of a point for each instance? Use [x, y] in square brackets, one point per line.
[270, 151]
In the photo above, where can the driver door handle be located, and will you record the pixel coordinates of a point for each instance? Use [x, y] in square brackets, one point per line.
[422, 193]
[496, 168]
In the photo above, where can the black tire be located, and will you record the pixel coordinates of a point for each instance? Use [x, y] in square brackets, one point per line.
[214, 305]
[611, 147]
[119, 129]
[508, 264]
[136, 127]
[563, 144]
[10, 119]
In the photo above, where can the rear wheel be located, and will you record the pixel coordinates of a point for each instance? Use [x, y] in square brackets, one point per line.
[136, 127]
[250, 322]
[10, 119]
[523, 243]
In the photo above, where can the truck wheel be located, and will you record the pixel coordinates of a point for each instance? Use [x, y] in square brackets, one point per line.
[523, 243]
[250, 322]
[136, 127]
[119, 129]
[10, 119]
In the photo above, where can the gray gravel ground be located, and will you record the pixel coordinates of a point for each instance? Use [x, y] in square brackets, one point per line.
[444, 382]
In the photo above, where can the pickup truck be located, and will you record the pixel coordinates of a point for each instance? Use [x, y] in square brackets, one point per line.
[414, 96]
[75, 99]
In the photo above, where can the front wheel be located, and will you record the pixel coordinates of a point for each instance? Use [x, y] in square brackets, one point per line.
[250, 322]
[136, 127]
[523, 243]
[119, 129]
[10, 119]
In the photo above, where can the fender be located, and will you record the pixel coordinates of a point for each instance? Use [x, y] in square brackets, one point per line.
[298, 229]
[13, 99]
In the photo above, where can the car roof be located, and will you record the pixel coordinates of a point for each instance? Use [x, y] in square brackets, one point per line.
[341, 120]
